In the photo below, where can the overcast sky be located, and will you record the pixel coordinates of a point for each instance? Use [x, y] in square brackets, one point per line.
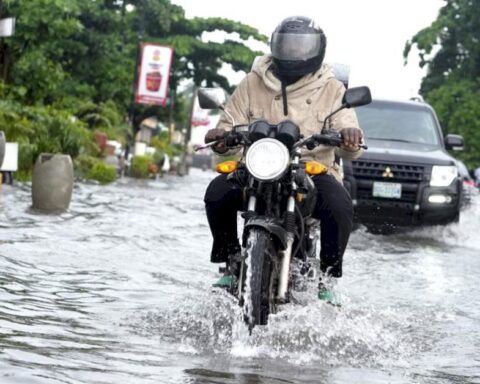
[368, 35]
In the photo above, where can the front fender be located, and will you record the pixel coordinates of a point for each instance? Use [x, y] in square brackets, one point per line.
[272, 226]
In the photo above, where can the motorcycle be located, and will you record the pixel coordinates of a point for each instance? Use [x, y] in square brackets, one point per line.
[280, 198]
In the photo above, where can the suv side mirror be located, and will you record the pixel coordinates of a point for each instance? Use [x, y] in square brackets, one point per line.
[356, 97]
[454, 142]
[211, 98]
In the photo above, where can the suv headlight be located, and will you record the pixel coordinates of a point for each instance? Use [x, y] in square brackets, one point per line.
[442, 176]
[267, 159]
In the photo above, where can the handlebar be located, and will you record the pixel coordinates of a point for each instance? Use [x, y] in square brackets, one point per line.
[329, 137]
[231, 139]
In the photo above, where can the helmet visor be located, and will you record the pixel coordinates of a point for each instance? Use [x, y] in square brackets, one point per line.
[295, 46]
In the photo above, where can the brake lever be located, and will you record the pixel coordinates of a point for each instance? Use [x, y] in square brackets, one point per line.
[208, 145]
[231, 140]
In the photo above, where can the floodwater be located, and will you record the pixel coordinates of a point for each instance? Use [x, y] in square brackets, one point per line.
[117, 290]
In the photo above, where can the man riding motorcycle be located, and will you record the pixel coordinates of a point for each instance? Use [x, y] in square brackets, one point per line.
[293, 84]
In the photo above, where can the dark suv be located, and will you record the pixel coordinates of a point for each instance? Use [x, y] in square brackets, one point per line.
[406, 177]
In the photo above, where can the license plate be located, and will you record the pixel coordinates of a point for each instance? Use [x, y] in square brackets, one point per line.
[388, 190]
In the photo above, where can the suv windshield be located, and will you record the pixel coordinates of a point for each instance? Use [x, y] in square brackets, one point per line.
[398, 122]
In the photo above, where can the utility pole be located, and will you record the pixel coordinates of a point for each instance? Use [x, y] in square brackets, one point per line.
[131, 112]
[173, 95]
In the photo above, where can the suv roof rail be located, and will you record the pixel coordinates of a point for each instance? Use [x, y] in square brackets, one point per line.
[417, 98]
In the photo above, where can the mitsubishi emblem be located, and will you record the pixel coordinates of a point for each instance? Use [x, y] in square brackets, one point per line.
[387, 173]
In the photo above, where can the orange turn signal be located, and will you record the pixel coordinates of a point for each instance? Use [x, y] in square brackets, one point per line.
[226, 167]
[314, 168]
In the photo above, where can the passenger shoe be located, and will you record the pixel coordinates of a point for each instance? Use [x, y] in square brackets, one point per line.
[326, 294]
[225, 281]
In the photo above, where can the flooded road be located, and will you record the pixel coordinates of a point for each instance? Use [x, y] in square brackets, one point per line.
[117, 290]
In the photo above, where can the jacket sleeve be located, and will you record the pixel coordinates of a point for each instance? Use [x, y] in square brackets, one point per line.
[346, 118]
[237, 106]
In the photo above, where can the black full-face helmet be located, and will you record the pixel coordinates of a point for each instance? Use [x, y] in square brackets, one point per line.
[298, 46]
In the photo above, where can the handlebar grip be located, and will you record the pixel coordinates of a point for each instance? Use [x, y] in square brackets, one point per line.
[230, 140]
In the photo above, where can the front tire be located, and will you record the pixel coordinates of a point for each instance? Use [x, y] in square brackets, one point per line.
[261, 278]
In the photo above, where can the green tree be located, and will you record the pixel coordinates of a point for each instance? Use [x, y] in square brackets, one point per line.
[69, 68]
[450, 49]
[88, 48]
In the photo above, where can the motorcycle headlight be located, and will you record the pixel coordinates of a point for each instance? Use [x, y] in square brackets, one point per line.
[442, 176]
[267, 159]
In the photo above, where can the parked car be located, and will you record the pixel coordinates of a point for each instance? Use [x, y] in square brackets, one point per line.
[406, 177]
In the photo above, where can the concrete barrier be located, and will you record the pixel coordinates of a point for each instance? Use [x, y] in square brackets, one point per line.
[52, 182]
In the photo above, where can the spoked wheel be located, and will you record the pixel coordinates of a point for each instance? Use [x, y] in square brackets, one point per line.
[260, 278]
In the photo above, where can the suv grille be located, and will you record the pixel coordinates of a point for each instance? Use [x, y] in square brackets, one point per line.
[375, 171]
[367, 172]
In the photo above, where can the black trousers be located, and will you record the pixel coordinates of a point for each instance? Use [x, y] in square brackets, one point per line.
[223, 199]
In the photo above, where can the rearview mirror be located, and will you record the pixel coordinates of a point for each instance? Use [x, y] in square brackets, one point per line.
[211, 98]
[454, 142]
[356, 97]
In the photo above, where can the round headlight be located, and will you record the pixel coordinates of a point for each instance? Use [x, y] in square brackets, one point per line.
[267, 159]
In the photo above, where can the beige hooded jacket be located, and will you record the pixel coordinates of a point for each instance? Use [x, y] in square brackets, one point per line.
[310, 100]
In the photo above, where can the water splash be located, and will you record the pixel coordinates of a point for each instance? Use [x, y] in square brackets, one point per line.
[247, 295]
[298, 334]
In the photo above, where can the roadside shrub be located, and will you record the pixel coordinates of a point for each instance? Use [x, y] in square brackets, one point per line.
[83, 164]
[162, 144]
[23, 175]
[40, 129]
[104, 173]
[140, 166]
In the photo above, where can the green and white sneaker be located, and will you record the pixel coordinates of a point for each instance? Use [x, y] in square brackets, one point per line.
[325, 292]
[326, 295]
[226, 281]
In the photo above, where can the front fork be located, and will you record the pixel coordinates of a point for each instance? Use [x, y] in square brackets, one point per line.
[286, 256]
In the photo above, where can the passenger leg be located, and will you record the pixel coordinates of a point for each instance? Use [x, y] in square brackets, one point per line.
[335, 210]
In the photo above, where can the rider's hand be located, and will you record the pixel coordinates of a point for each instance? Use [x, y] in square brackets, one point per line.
[216, 134]
[352, 138]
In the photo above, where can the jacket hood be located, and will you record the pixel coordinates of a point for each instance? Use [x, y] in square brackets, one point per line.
[311, 81]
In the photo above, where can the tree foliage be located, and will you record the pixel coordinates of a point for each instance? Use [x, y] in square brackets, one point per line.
[88, 48]
[450, 48]
[69, 68]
